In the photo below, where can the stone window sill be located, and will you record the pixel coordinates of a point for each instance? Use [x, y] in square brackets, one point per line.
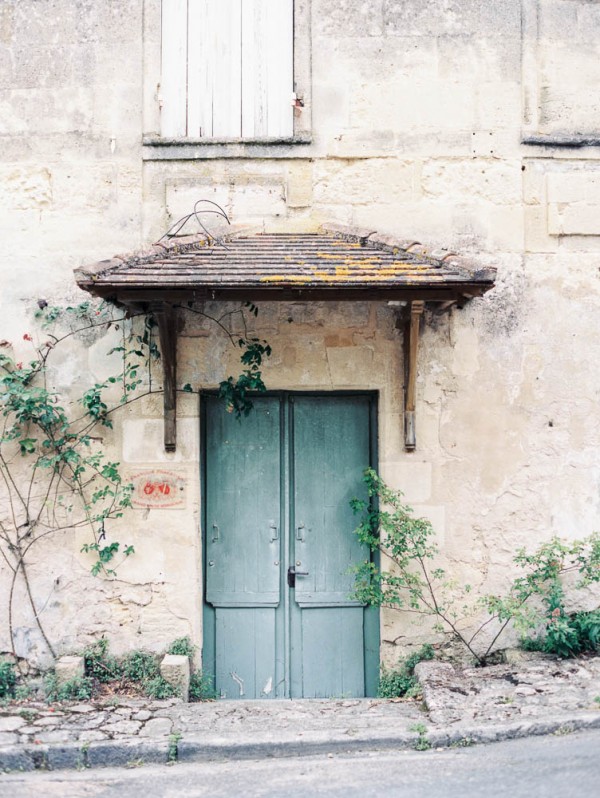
[566, 141]
[160, 149]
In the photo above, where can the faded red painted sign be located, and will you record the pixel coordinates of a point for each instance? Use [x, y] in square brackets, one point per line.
[159, 489]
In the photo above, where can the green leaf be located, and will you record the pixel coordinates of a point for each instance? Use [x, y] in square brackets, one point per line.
[27, 445]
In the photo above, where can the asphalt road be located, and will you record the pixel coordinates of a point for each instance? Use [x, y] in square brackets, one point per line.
[557, 767]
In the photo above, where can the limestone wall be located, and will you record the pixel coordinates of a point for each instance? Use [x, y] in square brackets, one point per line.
[418, 113]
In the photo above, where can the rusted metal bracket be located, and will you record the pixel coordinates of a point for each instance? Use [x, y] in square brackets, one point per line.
[167, 332]
[411, 349]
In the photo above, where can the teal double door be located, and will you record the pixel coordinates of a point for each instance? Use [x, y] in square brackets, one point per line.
[279, 546]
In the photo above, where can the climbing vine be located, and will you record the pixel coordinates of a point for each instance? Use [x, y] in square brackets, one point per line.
[55, 475]
[410, 581]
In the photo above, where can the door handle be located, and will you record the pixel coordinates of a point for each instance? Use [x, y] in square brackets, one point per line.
[300, 532]
[292, 573]
[274, 531]
[215, 534]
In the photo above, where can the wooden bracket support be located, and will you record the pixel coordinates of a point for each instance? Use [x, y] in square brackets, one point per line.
[411, 349]
[167, 333]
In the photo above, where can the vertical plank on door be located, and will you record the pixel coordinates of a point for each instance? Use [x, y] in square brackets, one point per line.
[173, 69]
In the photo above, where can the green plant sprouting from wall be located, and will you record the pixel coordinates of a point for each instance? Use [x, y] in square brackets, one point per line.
[55, 475]
[236, 391]
[410, 581]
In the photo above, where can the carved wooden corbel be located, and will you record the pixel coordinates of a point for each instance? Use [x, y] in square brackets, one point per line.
[411, 349]
[167, 333]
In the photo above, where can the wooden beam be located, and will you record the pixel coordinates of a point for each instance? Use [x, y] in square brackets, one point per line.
[411, 349]
[190, 293]
[167, 332]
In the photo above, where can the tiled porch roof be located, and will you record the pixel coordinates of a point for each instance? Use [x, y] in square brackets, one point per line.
[334, 263]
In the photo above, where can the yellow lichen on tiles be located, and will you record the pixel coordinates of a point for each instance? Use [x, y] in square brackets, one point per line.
[327, 256]
[285, 278]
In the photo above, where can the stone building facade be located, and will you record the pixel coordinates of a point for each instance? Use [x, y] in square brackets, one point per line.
[461, 124]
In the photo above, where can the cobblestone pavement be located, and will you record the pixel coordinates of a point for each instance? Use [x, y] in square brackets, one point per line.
[530, 695]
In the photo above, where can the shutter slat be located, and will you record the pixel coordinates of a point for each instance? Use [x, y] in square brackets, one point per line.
[254, 85]
[279, 54]
[198, 62]
[173, 68]
[227, 97]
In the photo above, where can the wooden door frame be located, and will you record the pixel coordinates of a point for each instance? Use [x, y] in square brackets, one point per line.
[371, 634]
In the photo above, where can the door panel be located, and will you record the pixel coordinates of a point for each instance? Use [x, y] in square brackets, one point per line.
[331, 661]
[243, 506]
[246, 652]
[330, 453]
[267, 635]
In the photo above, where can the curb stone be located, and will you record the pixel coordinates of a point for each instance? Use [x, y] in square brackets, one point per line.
[77, 756]
[199, 749]
[117, 754]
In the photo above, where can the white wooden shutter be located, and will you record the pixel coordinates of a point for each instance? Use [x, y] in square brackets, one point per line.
[227, 68]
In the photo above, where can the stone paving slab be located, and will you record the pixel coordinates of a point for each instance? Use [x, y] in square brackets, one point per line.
[531, 687]
[461, 706]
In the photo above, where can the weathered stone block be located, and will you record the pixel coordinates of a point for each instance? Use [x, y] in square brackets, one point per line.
[181, 196]
[451, 17]
[118, 753]
[63, 757]
[25, 187]
[350, 365]
[536, 230]
[143, 441]
[69, 668]
[15, 759]
[493, 181]
[574, 186]
[11, 723]
[437, 516]
[175, 669]
[157, 727]
[256, 201]
[574, 219]
[411, 477]
[359, 181]
[299, 185]
[348, 18]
